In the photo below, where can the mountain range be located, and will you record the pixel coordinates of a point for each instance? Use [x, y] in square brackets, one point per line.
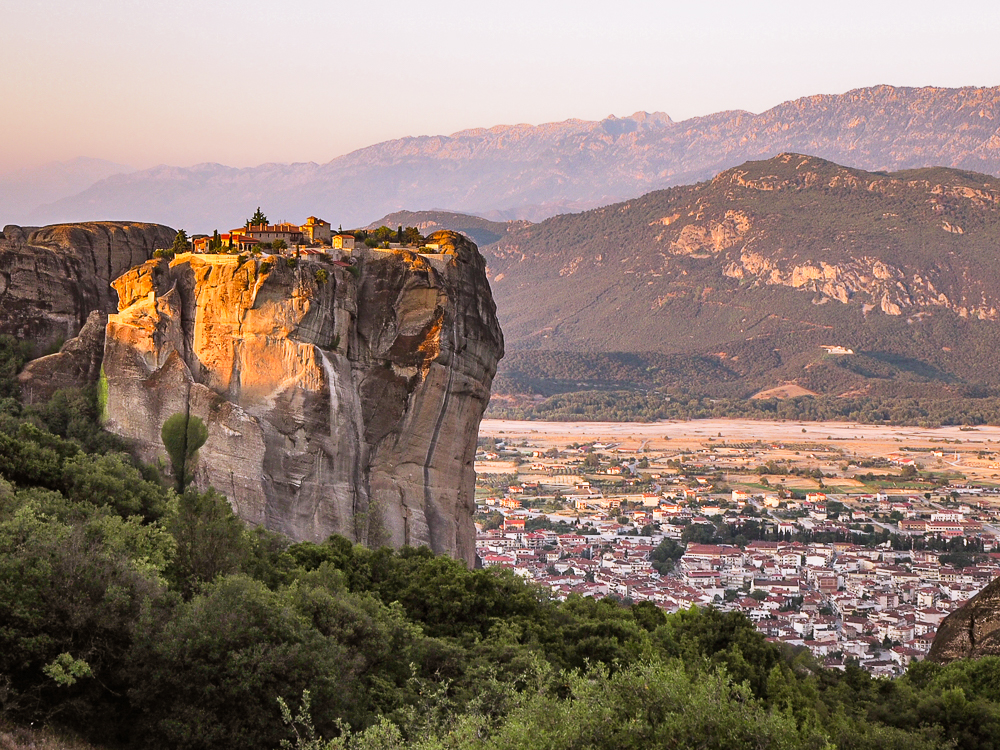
[786, 271]
[533, 172]
[23, 190]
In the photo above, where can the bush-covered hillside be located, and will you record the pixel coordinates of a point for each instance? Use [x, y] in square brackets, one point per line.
[735, 285]
[135, 616]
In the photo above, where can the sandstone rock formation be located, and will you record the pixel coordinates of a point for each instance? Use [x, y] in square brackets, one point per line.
[52, 278]
[77, 363]
[972, 630]
[336, 401]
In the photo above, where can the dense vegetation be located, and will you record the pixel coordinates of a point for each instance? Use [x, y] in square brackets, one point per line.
[649, 406]
[482, 231]
[140, 617]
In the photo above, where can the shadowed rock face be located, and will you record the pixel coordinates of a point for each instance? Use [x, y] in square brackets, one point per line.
[52, 278]
[971, 631]
[76, 364]
[334, 403]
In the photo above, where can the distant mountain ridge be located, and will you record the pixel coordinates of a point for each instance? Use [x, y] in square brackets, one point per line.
[23, 190]
[536, 171]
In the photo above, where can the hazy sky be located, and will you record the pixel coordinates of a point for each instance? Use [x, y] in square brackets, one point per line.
[244, 82]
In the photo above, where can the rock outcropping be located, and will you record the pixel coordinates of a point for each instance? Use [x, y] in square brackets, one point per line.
[76, 364]
[52, 278]
[338, 399]
[971, 631]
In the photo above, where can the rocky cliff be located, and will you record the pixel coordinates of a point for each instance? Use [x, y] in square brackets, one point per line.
[52, 278]
[972, 630]
[338, 400]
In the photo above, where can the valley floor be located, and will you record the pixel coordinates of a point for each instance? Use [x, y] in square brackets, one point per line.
[659, 434]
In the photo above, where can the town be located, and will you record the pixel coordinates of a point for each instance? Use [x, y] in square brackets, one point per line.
[854, 542]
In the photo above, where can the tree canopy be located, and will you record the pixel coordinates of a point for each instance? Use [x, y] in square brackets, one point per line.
[182, 436]
[257, 219]
[180, 242]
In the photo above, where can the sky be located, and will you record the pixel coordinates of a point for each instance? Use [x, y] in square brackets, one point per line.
[245, 82]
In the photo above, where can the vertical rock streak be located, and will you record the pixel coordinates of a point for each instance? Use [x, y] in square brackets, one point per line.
[345, 411]
[432, 446]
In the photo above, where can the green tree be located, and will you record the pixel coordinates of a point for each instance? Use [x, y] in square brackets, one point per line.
[112, 481]
[182, 436]
[665, 556]
[412, 236]
[208, 675]
[727, 639]
[598, 710]
[70, 593]
[493, 521]
[699, 533]
[257, 219]
[210, 539]
[13, 354]
[180, 242]
[383, 234]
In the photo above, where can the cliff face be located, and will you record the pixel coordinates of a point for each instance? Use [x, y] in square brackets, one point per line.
[52, 278]
[334, 403]
[971, 631]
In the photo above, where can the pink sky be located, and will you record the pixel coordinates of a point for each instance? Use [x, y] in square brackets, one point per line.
[247, 82]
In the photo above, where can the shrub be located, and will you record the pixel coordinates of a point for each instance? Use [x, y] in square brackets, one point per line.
[182, 437]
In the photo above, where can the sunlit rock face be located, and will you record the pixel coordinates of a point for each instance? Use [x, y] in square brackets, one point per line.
[52, 278]
[336, 401]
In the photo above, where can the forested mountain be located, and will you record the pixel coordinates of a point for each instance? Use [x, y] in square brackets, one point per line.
[737, 284]
[532, 172]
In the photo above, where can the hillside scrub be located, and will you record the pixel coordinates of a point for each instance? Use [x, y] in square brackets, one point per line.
[598, 405]
[135, 616]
